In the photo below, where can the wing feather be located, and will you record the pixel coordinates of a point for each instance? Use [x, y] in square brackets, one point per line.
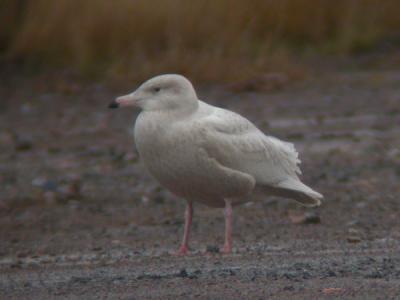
[237, 144]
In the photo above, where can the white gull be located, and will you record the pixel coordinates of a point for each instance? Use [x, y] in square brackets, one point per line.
[208, 154]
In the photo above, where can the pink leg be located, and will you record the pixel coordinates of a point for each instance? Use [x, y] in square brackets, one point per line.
[228, 227]
[184, 248]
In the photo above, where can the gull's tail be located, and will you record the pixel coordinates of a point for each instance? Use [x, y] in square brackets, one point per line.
[294, 189]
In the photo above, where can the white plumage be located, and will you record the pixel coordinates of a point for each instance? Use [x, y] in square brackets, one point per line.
[208, 154]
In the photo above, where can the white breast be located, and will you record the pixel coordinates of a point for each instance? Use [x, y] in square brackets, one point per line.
[166, 152]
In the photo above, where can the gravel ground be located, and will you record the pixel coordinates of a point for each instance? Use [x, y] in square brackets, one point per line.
[80, 218]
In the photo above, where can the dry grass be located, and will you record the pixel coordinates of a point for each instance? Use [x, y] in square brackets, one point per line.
[208, 40]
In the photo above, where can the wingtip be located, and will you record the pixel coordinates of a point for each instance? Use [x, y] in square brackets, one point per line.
[316, 203]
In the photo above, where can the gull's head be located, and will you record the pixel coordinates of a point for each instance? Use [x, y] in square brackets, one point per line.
[160, 93]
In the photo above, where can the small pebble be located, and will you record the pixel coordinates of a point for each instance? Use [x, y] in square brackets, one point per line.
[23, 145]
[212, 249]
[307, 218]
[353, 239]
[183, 273]
[21, 254]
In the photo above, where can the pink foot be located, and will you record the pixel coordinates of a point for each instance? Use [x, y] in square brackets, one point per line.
[227, 249]
[183, 250]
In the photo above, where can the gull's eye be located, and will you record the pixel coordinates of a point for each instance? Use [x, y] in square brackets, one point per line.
[156, 89]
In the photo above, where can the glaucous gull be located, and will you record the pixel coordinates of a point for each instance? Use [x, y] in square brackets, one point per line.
[208, 154]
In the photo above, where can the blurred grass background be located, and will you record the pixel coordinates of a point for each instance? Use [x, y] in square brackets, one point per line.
[207, 40]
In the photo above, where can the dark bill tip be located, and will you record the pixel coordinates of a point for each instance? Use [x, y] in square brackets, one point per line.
[113, 104]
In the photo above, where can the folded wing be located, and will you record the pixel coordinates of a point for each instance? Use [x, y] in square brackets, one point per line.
[237, 144]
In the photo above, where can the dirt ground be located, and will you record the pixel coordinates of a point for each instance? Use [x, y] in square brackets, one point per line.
[80, 218]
